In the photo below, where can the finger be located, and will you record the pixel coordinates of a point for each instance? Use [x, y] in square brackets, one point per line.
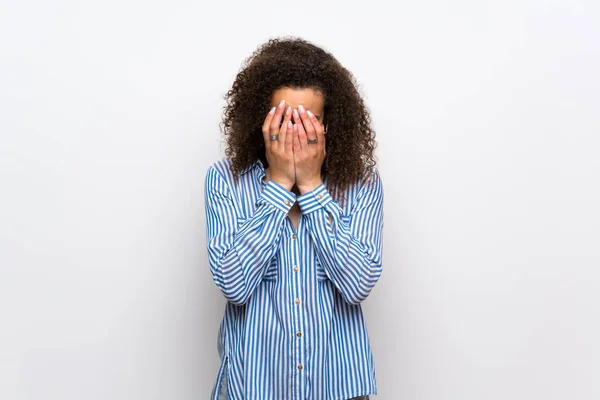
[267, 124]
[284, 131]
[301, 131]
[297, 146]
[308, 125]
[287, 116]
[319, 129]
[276, 121]
[289, 137]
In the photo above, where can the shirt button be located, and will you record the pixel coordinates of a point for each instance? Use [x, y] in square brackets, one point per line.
[296, 269]
[300, 366]
[297, 301]
[293, 236]
[287, 202]
[299, 334]
[320, 196]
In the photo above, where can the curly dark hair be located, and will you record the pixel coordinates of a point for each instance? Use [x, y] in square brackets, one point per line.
[298, 64]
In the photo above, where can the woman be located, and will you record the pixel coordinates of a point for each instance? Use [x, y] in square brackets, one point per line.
[294, 229]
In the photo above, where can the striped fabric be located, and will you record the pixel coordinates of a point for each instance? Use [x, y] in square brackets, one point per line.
[293, 326]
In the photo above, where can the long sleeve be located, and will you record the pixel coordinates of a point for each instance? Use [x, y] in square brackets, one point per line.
[349, 250]
[239, 256]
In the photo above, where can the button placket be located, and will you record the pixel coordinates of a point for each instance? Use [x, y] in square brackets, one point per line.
[298, 312]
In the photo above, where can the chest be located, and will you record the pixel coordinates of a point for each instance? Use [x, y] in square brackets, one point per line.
[294, 215]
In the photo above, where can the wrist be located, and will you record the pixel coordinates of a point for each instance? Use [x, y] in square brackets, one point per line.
[306, 187]
[283, 182]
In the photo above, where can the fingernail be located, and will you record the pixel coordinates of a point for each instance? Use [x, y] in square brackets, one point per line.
[272, 110]
[310, 114]
[289, 124]
[296, 113]
[301, 108]
[282, 103]
[289, 110]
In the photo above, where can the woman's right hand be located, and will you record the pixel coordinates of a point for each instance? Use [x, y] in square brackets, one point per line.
[280, 153]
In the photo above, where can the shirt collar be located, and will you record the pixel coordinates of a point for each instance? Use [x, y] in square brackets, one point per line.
[255, 165]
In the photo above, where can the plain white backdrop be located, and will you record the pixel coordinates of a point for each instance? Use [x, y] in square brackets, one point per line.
[488, 122]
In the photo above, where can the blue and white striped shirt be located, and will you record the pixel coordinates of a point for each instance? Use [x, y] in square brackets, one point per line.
[293, 326]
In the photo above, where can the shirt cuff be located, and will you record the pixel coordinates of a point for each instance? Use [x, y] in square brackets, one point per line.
[311, 201]
[278, 196]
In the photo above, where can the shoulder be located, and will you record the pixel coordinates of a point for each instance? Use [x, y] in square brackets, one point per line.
[370, 180]
[367, 187]
[221, 168]
[219, 174]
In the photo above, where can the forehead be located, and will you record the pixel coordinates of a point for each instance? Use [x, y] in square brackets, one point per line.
[311, 99]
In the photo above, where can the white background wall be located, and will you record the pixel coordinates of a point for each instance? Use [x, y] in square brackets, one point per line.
[488, 125]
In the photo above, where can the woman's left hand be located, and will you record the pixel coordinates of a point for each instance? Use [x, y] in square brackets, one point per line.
[308, 157]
